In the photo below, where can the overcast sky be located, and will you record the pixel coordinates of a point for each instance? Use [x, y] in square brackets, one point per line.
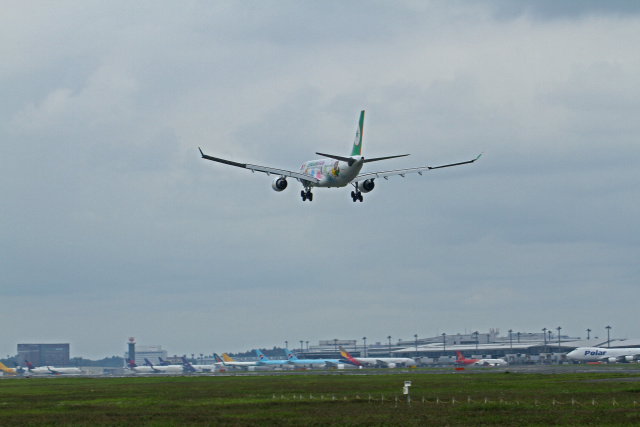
[113, 226]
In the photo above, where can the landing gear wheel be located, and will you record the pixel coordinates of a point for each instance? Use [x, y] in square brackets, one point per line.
[303, 195]
[360, 197]
[310, 196]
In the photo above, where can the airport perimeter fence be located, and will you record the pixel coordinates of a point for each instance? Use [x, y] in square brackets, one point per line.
[452, 401]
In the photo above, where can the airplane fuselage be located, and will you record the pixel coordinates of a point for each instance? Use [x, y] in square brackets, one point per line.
[331, 173]
[597, 354]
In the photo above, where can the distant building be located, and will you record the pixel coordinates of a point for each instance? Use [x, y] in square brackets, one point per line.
[151, 352]
[44, 354]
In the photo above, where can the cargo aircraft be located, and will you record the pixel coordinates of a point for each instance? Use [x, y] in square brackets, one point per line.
[334, 171]
[50, 370]
[609, 355]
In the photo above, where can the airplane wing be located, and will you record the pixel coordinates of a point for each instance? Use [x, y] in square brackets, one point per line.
[403, 172]
[264, 169]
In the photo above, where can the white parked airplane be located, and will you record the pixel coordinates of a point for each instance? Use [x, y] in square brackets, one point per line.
[610, 355]
[51, 370]
[385, 362]
[334, 171]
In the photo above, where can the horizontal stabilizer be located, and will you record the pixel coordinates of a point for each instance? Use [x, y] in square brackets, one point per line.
[375, 159]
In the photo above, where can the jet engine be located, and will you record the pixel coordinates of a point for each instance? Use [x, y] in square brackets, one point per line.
[389, 365]
[279, 184]
[366, 185]
[612, 359]
[628, 358]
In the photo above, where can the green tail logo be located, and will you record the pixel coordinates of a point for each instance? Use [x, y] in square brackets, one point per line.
[357, 143]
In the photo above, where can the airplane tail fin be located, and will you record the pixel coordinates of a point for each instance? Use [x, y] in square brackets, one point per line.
[147, 362]
[218, 360]
[261, 356]
[6, 370]
[29, 365]
[357, 142]
[348, 357]
[290, 355]
[226, 357]
[459, 356]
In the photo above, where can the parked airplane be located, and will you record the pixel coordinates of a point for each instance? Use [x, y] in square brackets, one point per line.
[7, 371]
[293, 360]
[610, 355]
[264, 360]
[131, 365]
[384, 362]
[48, 370]
[334, 171]
[460, 360]
[228, 361]
[188, 367]
[167, 369]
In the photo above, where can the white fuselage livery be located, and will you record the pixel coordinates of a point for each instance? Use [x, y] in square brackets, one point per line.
[387, 362]
[490, 362]
[51, 370]
[598, 354]
[331, 173]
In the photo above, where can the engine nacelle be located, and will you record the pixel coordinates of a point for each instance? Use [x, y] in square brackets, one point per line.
[366, 185]
[628, 358]
[391, 365]
[612, 359]
[279, 184]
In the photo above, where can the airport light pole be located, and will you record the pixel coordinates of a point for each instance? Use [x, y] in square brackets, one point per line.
[588, 334]
[518, 337]
[416, 337]
[301, 347]
[544, 337]
[365, 346]
[510, 340]
[307, 346]
[286, 344]
[549, 332]
[558, 328]
[444, 343]
[335, 345]
[389, 345]
[608, 340]
[476, 333]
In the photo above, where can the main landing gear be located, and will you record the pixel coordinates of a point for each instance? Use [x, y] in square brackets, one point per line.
[306, 195]
[356, 195]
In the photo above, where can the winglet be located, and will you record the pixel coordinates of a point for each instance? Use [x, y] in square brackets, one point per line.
[479, 155]
[201, 153]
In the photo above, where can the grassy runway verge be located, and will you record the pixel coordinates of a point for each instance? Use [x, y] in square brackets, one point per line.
[320, 399]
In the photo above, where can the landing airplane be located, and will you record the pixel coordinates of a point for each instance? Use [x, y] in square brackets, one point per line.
[48, 370]
[334, 171]
[610, 355]
[460, 360]
[384, 362]
[293, 360]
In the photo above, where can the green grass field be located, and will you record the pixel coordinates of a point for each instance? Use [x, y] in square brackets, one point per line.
[325, 399]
